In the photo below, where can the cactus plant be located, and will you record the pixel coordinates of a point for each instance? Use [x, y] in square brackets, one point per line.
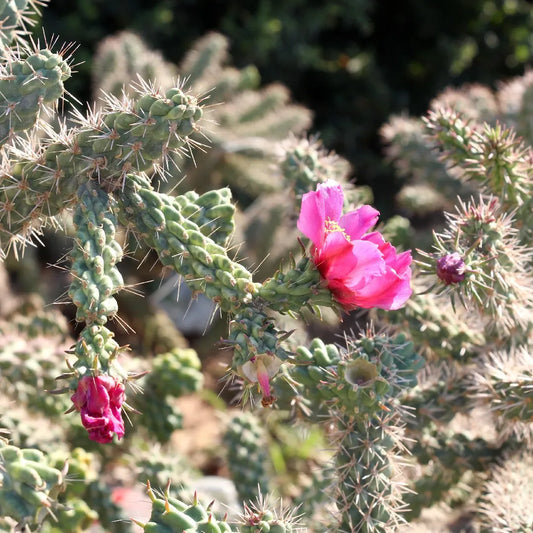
[103, 171]
[29, 484]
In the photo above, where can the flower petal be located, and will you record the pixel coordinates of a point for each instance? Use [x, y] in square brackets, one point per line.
[354, 262]
[385, 292]
[317, 207]
[357, 223]
[99, 400]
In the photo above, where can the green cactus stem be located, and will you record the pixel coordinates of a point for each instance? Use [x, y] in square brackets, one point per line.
[173, 374]
[265, 516]
[170, 515]
[356, 391]
[95, 277]
[127, 135]
[180, 243]
[29, 485]
[368, 492]
[504, 381]
[14, 19]
[25, 86]
[245, 441]
[433, 325]
[497, 272]
[438, 397]
[96, 352]
[298, 287]
[121, 58]
[258, 352]
[159, 416]
[176, 373]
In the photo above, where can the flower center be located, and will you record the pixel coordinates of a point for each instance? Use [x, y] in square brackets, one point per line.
[331, 226]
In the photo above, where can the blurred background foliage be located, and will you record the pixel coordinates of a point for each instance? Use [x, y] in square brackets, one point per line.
[352, 62]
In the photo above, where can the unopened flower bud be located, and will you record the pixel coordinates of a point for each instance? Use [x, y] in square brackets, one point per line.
[451, 268]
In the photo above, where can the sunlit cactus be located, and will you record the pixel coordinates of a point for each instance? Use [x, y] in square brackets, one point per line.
[121, 58]
[487, 131]
[242, 133]
[29, 484]
[173, 374]
[426, 402]
[503, 503]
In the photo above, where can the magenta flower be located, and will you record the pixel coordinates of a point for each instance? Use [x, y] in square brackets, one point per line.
[99, 400]
[361, 269]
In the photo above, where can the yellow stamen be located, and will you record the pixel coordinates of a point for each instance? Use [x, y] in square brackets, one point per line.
[332, 226]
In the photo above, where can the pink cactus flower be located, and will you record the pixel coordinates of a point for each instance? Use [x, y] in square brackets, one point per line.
[361, 269]
[99, 400]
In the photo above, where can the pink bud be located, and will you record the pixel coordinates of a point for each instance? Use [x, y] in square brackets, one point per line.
[99, 400]
[451, 268]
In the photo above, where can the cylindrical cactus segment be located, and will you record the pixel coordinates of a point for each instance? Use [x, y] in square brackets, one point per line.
[28, 485]
[252, 333]
[368, 497]
[173, 374]
[213, 212]
[306, 162]
[26, 85]
[97, 352]
[126, 136]
[247, 456]
[95, 277]
[357, 387]
[268, 516]
[180, 243]
[300, 286]
[357, 381]
[257, 350]
[170, 515]
[176, 373]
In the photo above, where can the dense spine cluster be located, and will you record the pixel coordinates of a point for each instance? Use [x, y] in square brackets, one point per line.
[126, 136]
[355, 391]
[26, 85]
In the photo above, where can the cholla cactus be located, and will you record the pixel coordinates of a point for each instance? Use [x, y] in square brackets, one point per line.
[29, 484]
[173, 374]
[243, 133]
[171, 514]
[506, 114]
[503, 504]
[121, 58]
[104, 170]
[32, 347]
[474, 317]
[246, 443]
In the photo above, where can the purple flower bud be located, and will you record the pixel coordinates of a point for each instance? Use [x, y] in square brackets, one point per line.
[451, 268]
